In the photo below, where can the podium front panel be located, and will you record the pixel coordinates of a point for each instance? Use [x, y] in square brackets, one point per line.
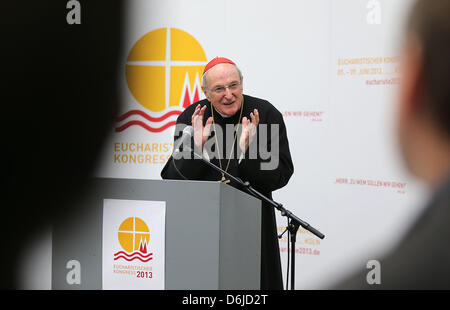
[212, 234]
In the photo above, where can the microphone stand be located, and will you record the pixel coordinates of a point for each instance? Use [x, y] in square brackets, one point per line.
[294, 221]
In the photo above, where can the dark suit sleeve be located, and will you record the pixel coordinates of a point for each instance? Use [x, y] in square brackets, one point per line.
[272, 167]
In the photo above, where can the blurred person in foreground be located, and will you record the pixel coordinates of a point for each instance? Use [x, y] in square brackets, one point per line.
[59, 99]
[422, 258]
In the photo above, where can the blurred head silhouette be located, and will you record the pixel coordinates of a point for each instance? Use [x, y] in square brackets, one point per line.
[422, 259]
[59, 100]
[424, 101]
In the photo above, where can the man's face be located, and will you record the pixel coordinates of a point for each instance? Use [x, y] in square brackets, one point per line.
[224, 88]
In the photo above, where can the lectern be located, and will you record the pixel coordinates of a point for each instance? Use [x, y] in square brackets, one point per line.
[212, 234]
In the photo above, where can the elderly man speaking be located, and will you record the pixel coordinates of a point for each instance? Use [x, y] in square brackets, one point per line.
[246, 137]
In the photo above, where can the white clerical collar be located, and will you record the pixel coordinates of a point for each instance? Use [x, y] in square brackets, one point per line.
[223, 115]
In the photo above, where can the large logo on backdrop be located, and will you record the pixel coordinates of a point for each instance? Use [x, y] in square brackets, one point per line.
[163, 73]
[134, 237]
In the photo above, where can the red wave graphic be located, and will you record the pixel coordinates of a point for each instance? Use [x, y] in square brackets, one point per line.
[137, 257]
[133, 254]
[145, 126]
[146, 116]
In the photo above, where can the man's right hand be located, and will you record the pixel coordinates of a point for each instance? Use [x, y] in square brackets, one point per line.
[201, 133]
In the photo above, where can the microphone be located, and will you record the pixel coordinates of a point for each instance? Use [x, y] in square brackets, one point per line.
[187, 134]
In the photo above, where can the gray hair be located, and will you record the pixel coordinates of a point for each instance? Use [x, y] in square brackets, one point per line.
[204, 76]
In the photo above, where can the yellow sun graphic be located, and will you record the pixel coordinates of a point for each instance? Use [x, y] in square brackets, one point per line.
[132, 233]
[164, 68]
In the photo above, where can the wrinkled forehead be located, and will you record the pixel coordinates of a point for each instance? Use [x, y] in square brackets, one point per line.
[222, 74]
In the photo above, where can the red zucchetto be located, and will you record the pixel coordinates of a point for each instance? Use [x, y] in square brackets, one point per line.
[216, 61]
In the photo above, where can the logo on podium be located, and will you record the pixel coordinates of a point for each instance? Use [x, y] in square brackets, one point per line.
[133, 244]
[134, 237]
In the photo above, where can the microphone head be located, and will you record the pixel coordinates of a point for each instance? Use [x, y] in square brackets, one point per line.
[188, 130]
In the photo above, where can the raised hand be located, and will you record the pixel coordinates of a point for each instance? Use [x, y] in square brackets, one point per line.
[201, 133]
[248, 130]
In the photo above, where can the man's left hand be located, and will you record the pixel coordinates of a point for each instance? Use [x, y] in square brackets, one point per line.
[248, 130]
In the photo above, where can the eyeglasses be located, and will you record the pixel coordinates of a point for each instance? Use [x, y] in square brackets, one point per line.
[222, 89]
